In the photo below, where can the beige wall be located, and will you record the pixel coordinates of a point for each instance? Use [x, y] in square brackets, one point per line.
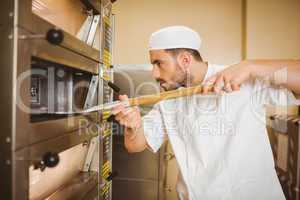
[273, 29]
[217, 21]
[273, 32]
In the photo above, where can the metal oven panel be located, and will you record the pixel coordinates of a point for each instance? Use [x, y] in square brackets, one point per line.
[26, 158]
[39, 27]
[29, 133]
[38, 81]
[56, 89]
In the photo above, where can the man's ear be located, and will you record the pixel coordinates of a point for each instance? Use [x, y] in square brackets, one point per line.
[184, 59]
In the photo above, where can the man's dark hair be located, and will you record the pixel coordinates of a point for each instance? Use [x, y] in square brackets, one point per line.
[194, 53]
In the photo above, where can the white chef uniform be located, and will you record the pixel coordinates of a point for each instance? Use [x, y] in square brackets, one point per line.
[220, 141]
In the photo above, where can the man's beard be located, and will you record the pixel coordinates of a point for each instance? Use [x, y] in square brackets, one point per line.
[169, 86]
[180, 79]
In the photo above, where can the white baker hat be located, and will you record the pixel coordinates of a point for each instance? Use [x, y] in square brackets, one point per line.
[175, 37]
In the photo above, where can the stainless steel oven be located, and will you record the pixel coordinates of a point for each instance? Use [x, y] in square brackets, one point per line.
[47, 75]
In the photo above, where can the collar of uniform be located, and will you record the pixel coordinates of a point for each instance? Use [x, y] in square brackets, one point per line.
[209, 72]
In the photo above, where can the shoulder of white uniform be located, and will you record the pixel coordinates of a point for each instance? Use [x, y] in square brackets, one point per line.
[217, 67]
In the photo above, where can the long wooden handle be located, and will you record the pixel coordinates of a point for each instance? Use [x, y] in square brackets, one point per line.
[152, 99]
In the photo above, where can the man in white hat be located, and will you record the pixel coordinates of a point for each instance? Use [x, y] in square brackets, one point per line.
[220, 141]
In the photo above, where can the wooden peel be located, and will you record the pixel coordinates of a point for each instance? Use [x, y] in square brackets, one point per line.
[151, 99]
[155, 98]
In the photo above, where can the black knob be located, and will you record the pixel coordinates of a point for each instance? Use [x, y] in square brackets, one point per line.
[55, 36]
[111, 175]
[50, 159]
[111, 118]
[114, 87]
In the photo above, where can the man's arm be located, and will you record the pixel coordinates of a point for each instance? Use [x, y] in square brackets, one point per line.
[279, 72]
[130, 117]
[135, 140]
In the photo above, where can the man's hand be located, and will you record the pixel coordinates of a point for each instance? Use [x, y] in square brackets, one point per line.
[229, 79]
[232, 77]
[130, 117]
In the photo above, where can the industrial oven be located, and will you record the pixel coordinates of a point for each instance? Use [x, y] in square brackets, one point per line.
[56, 60]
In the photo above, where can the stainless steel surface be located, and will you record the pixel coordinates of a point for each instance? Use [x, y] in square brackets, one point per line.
[36, 25]
[70, 42]
[83, 32]
[78, 188]
[90, 28]
[286, 149]
[60, 89]
[69, 15]
[102, 107]
[28, 133]
[130, 189]
[54, 128]
[133, 166]
[93, 144]
[93, 194]
[20, 176]
[30, 155]
[51, 93]
[44, 183]
[60, 144]
[91, 92]
[23, 142]
[106, 106]
[7, 70]
[140, 175]
[44, 50]
[93, 30]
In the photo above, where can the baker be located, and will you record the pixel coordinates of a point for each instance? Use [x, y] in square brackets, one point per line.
[220, 140]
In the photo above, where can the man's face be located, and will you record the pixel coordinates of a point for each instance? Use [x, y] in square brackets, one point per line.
[167, 70]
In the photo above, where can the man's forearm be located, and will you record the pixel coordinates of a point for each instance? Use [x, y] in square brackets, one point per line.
[280, 72]
[135, 140]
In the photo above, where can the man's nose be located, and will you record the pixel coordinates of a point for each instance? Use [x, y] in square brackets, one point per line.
[155, 73]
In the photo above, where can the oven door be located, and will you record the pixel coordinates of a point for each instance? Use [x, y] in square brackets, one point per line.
[50, 79]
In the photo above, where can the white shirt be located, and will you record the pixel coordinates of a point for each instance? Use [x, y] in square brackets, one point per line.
[220, 141]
